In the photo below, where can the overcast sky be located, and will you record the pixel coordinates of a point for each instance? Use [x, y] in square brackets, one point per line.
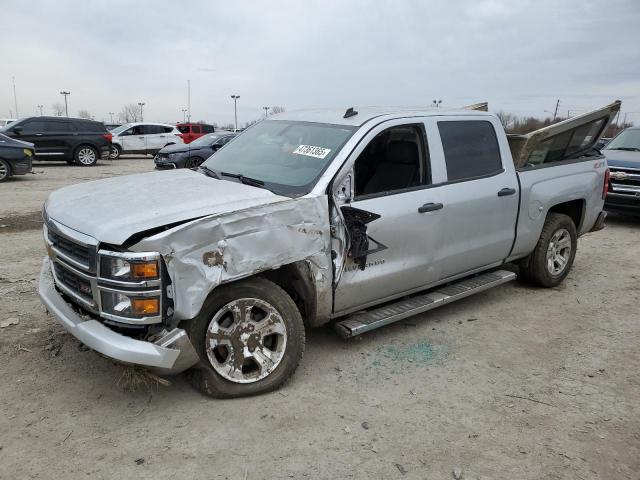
[521, 56]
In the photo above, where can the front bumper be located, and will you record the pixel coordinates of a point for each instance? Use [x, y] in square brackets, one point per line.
[21, 167]
[171, 354]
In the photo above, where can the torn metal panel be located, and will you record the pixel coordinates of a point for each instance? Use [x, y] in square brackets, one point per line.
[356, 222]
[207, 252]
[530, 148]
[481, 107]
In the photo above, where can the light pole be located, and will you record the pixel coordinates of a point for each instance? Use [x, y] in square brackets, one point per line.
[437, 103]
[40, 107]
[235, 107]
[111, 116]
[66, 107]
[141, 104]
[184, 115]
[266, 111]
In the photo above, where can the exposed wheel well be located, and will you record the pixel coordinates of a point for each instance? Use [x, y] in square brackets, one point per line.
[574, 209]
[295, 279]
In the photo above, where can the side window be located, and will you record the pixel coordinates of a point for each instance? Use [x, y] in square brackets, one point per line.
[183, 128]
[470, 149]
[393, 160]
[34, 126]
[58, 126]
[152, 129]
[207, 128]
[195, 129]
[167, 129]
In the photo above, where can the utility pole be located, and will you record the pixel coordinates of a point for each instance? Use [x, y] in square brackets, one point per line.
[555, 113]
[111, 116]
[189, 100]
[141, 104]
[66, 108]
[266, 111]
[235, 108]
[40, 107]
[15, 97]
[184, 115]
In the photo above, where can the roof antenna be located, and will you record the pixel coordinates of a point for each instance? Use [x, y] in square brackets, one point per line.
[350, 113]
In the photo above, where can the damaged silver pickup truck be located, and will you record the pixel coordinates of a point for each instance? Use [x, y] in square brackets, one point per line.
[357, 218]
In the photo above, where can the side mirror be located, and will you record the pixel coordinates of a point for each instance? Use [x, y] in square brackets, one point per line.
[17, 129]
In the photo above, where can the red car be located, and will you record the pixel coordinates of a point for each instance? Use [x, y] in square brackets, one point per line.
[190, 131]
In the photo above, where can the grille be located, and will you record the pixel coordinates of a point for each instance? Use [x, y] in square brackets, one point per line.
[75, 283]
[71, 249]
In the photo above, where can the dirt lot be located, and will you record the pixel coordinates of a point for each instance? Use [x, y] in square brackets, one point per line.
[514, 383]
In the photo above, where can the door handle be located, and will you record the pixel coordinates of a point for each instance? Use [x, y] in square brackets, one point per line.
[506, 191]
[141, 138]
[430, 207]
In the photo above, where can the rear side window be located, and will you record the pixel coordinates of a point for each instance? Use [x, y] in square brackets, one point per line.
[167, 129]
[89, 127]
[195, 129]
[153, 129]
[207, 129]
[183, 128]
[470, 149]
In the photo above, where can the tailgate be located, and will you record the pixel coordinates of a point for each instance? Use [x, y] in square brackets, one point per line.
[564, 140]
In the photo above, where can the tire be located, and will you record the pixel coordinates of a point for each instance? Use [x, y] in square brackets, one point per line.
[551, 260]
[5, 170]
[115, 151]
[275, 347]
[193, 162]
[86, 156]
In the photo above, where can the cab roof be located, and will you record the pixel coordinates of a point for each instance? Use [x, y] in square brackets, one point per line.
[364, 114]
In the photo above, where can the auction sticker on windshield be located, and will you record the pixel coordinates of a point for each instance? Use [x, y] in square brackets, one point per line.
[311, 151]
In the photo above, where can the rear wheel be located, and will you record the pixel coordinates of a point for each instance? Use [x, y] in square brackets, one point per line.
[115, 151]
[86, 156]
[551, 260]
[5, 170]
[250, 338]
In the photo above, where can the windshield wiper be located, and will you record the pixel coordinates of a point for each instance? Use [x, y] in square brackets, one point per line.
[254, 182]
[209, 173]
[626, 149]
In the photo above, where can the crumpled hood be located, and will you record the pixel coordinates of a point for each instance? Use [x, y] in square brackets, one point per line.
[113, 209]
[622, 158]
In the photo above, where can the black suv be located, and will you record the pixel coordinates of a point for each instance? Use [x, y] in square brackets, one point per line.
[75, 140]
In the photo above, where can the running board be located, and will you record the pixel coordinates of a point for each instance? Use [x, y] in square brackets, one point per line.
[369, 320]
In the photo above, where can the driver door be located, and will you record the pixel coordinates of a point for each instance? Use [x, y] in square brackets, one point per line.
[133, 139]
[401, 226]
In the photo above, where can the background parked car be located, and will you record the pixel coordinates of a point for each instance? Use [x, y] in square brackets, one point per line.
[623, 158]
[6, 121]
[15, 157]
[147, 138]
[75, 140]
[190, 131]
[193, 154]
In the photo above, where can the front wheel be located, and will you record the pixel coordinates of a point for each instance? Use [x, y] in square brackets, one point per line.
[250, 338]
[551, 260]
[115, 151]
[5, 170]
[86, 156]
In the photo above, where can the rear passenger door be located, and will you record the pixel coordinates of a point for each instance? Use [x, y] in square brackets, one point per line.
[480, 195]
[156, 137]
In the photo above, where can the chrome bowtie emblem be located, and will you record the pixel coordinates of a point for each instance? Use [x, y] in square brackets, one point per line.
[618, 175]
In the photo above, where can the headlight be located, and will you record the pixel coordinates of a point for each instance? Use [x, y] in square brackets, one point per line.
[129, 267]
[27, 152]
[123, 304]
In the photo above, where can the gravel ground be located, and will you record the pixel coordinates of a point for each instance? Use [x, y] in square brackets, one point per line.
[516, 382]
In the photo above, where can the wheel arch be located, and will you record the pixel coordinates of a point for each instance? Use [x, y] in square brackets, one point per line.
[86, 144]
[574, 209]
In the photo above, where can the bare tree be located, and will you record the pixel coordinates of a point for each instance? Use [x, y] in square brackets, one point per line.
[84, 114]
[129, 113]
[276, 109]
[58, 109]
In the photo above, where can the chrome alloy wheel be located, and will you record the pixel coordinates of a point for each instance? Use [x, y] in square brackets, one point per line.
[87, 156]
[558, 252]
[246, 340]
[4, 171]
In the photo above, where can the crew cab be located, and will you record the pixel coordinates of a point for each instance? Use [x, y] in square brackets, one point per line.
[358, 218]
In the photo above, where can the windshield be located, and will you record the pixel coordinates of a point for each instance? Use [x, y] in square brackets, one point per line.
[627, 140]
[120, 129]
[287, 156]
[205, 140]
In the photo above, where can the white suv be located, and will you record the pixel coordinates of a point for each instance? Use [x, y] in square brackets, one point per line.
[143, 137]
